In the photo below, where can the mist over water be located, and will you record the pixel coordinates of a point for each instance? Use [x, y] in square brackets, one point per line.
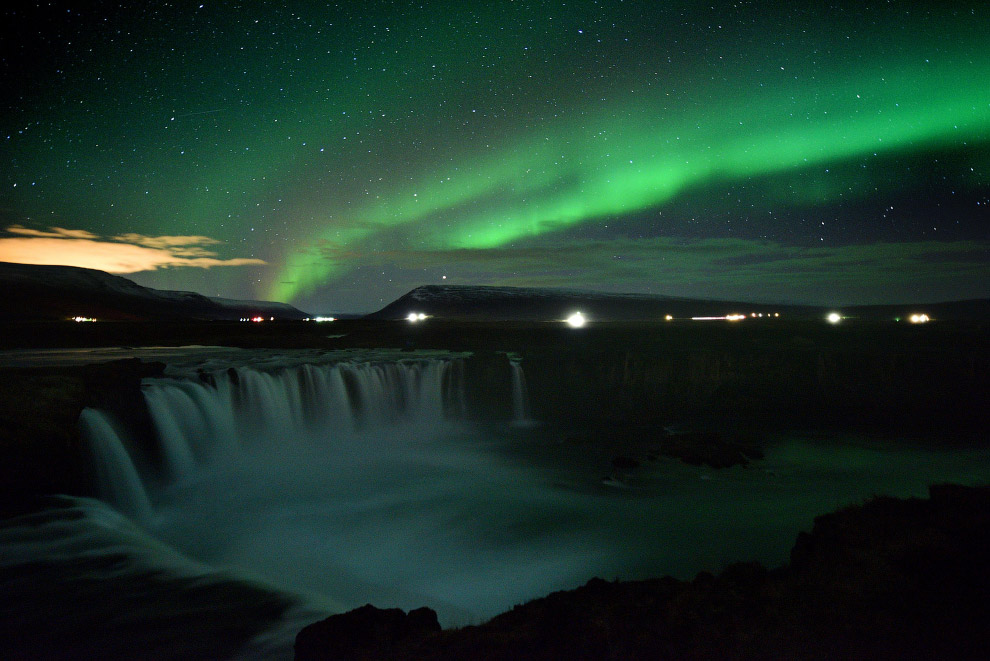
[351, 483]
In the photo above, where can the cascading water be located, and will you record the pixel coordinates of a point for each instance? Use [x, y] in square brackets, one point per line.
[520, 395]
[271, 493]
[116, 475]
[240, 409]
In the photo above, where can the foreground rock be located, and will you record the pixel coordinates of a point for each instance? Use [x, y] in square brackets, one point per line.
[40, 445]
[891, 579]
[365, 633]
[632, 444]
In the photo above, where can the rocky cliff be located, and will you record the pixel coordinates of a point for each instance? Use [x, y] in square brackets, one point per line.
[891, 579]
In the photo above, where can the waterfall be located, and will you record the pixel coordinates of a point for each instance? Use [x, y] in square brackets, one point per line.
[244, 409]
[118, 479]
[520, 396]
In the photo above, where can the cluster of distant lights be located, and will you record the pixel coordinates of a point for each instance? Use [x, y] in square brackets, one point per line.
[733, 317]
[578, 319]
[916, 318]
[260, 319]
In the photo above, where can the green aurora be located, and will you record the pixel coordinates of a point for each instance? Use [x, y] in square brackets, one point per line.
[361, 151]
[574, 174]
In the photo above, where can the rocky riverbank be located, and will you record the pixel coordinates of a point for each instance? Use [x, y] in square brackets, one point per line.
[40, 445]
[891, 579]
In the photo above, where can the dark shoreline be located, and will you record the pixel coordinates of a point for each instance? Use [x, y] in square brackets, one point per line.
[889, 579]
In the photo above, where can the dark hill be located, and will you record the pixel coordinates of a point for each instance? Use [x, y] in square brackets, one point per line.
[536, 304]
[478, 303]
[51, 293]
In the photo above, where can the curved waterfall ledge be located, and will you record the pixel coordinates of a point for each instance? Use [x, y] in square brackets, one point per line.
[248, 493]
[221, 414]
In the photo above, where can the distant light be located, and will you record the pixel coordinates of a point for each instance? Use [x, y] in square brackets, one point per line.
[321, 319]
[752, 314]
[413, 317]
[834, 317]
[728, 317]
[919, 318]
[81, 319]
[421, 316]
[669, 317]
[576, 320]
[776, 314]
[257, 319]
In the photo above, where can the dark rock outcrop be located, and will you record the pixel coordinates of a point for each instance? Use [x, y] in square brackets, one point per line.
[882, 379]
[634, 444]
[39, 438]
[891, 579]
[365, 633]
[488, 377]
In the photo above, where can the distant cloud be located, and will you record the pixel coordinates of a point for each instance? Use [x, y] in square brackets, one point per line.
[165, 241]
[126, 253]
[52, 233]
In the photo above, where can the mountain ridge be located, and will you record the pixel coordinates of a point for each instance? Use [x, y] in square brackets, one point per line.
[42, 292]
[493, 303]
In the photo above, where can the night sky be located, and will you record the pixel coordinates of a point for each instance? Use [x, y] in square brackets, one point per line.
[336, 155]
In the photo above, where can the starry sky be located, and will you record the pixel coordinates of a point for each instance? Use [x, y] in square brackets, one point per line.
[336, 155]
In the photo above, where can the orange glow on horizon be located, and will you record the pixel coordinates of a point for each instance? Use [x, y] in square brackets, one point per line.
[67, 248]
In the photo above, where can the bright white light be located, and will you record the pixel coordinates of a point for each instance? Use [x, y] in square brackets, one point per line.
[421, 316]
[919, 318]
[320, 319]
[728, 317]
[576, 320]
[834, 318]
[669, 317]
[81, 319]
[412, 317]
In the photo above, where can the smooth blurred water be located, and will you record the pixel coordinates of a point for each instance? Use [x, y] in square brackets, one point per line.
[451, 521]
[427, 510]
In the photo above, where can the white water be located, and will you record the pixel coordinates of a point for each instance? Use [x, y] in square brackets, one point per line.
[357, 482]
[520, 396]
[116, 475]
